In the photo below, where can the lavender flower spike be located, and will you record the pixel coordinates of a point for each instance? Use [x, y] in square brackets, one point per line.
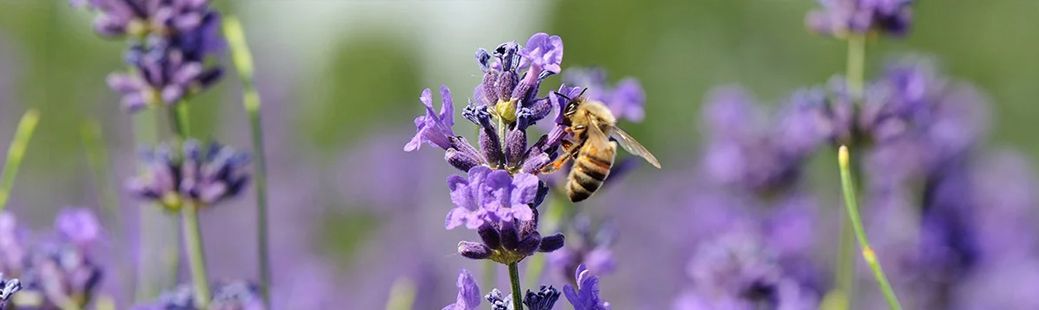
[840, 18]
[586, 295]
[468, 293]
[204, 176]
[434, 128]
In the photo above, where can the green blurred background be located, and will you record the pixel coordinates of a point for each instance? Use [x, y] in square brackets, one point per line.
[338, 74]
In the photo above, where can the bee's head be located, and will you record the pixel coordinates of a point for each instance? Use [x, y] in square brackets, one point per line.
[572, 104]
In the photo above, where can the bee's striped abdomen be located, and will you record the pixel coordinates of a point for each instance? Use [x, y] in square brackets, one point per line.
[590, 169]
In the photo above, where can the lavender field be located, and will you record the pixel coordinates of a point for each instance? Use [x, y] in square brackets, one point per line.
[510, 155]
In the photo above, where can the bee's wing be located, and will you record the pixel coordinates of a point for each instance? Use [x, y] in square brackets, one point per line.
[632, 146]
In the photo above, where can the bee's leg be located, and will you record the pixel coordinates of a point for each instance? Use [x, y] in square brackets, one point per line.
[570, 153]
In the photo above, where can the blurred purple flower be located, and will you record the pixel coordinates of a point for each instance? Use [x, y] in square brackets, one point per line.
[161, 74]
[626, 100]
[205, 176]
[586, 295]
[468, 293]
[172, 40]
[841, 18]
[738, 271]
[53, 272]
[226, 296]
[745, 152]
[590, 249]
[78, 226]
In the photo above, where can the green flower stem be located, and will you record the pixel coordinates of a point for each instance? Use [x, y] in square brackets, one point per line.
[856, 65]
[16, 152]
[517, 294]
[845, 274]
[196, 256]
[243, 61]
[852, 204]
[402, 295]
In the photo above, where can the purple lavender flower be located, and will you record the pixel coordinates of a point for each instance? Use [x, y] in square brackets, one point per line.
[502, 208]
[204, 176]
[841, 18]
[544, 299]
[53, 272]
[172, 39]
[626, 99]
[226, 296]
[745, 151]
[434, 128]
[162, 74]
[499, 301]
[586, 295]
[738, 271]
[468, 293]
[141, 18]
[78, 226]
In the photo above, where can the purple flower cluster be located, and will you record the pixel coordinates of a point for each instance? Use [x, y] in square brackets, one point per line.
[584, 297]
[226, 296]
[500, 195]
[204, 176]
[53, 273]
[171, 41]
[626, 100]
[737, 270]
[841, 18]
[590, 248]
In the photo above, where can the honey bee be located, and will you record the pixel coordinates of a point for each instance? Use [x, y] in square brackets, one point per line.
[592, 125]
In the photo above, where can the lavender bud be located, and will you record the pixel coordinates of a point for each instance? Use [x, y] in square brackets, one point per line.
[490, 236]
[515, 146]
[473, 250]
[529, 244]
[460, 160]
[491, 147]
[551, 243]
[510, 238]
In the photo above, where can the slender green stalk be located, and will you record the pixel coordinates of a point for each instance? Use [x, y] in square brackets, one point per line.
[243, 61]
[845, 274]
[852, 204]
[517, 294]
[196, 256]
[16, 152]
[856, 65]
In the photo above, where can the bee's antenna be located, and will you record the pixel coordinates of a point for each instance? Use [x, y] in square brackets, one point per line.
[582, 92]
[562, 95]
